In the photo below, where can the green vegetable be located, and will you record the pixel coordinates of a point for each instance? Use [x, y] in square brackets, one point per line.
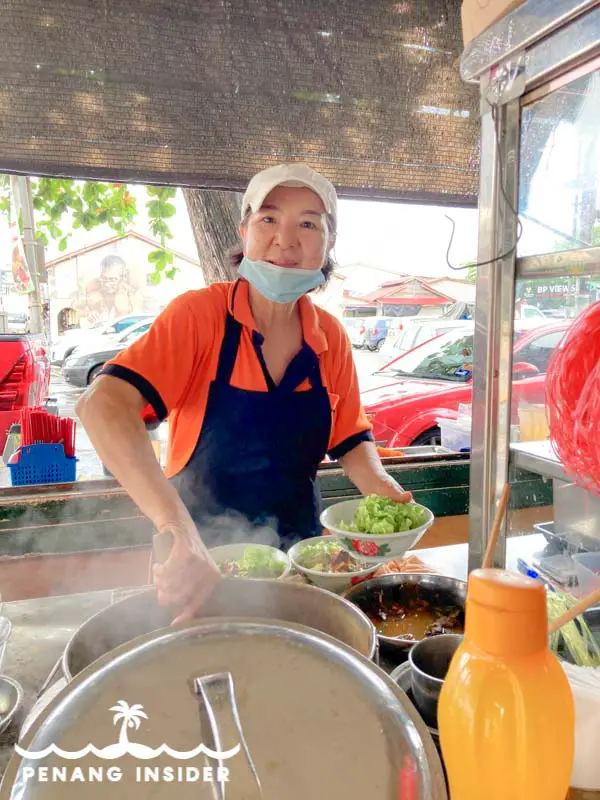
[315, 556]
[255, 563]
[380, 515]
[327, 556]
[576, 636]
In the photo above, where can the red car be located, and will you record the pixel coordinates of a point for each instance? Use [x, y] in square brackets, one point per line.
[24, 377]
[432, 380]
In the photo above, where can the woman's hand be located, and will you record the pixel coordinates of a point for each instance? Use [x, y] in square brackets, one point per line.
[393, 491]
[189, 575]
[364, 468]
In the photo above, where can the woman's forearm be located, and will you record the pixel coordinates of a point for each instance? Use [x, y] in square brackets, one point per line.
[363, 467]
[110, 412]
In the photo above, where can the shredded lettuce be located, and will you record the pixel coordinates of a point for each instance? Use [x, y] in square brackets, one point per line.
[380, 515]
[315, 556]
[327, 556]
[255, 563]
[575, 637]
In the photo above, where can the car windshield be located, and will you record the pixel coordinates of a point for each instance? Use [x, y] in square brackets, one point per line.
[135, 332]
[447, 358]
[123, 324]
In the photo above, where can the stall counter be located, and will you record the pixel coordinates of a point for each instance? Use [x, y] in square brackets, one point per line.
[42, 627]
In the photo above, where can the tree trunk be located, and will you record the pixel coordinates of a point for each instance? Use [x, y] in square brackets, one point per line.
[215, 219]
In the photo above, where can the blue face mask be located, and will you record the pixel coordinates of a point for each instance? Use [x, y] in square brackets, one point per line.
[280, 284]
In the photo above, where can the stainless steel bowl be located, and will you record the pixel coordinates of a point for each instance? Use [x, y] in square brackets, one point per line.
[11, 697]
[429, 663]
[393, 586]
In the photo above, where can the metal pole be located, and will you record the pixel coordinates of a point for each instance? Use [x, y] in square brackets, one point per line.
[22, 185]
[494, 323]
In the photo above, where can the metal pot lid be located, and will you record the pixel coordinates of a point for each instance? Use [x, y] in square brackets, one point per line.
[285, 712]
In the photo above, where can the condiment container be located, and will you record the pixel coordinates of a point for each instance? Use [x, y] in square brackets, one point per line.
[506, 712]
[585, 685]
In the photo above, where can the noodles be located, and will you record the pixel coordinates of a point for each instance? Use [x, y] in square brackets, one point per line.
[573, 399]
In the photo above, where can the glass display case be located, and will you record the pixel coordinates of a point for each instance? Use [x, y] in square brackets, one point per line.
[538, 71]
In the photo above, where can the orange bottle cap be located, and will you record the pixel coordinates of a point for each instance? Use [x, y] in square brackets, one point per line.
[500, 588]
[506, 612]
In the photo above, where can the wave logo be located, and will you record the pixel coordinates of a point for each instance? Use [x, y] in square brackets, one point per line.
[130, 717]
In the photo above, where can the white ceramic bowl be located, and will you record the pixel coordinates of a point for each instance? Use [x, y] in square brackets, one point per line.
[333, 581]
[234, 552]
[371, 548]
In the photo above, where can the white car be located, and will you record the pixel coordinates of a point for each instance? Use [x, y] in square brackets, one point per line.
[355, 328]
[68, 341]
[85, 363]
[416, 333]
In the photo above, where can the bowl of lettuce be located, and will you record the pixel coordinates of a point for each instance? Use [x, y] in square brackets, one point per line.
[375, 528]
[251, 561]
[325, 562]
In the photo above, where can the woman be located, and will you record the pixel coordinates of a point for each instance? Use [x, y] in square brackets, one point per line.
[258, 384]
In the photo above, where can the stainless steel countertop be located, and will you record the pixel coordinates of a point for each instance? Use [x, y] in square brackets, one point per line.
[539, 458]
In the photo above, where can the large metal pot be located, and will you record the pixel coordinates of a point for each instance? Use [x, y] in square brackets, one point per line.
[233, 597]
[301, 715]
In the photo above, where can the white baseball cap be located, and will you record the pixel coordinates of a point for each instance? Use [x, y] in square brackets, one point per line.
[289, 175]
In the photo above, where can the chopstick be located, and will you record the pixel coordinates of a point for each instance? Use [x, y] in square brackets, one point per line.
[492, 541]
[568, 616]
[40, 427]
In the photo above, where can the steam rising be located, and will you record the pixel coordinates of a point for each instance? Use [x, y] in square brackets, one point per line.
[218, 526]
[233, 528]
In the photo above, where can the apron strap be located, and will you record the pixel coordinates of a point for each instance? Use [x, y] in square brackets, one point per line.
[229, 349]
[304, 365]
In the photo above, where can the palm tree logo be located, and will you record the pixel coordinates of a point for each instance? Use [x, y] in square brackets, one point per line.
[130, 717]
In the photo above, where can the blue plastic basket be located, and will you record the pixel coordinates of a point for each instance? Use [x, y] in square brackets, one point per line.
[43, 463]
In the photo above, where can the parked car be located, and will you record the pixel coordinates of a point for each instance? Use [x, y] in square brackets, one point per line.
[85, 364]
[432, 380]
[524, 311]
[24, 377]
[416, 333]
[69, 340]
[355, 328]
[370, 332]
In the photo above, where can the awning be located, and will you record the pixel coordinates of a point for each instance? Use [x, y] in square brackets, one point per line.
[204, 93]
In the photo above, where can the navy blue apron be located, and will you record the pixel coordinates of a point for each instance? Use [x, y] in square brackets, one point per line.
[254, 466]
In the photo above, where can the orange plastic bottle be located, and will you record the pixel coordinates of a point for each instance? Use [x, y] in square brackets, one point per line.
[506, 714]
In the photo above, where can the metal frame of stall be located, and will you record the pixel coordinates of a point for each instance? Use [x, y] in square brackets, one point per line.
[531, 52]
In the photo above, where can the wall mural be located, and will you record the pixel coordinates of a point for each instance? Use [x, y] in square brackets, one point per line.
[109, 294]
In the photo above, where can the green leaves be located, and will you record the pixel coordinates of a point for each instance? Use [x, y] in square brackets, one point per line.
[159, 210]
[88, 205]
[4, 194]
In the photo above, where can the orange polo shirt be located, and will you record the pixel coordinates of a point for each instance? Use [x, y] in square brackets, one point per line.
[174, 363]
